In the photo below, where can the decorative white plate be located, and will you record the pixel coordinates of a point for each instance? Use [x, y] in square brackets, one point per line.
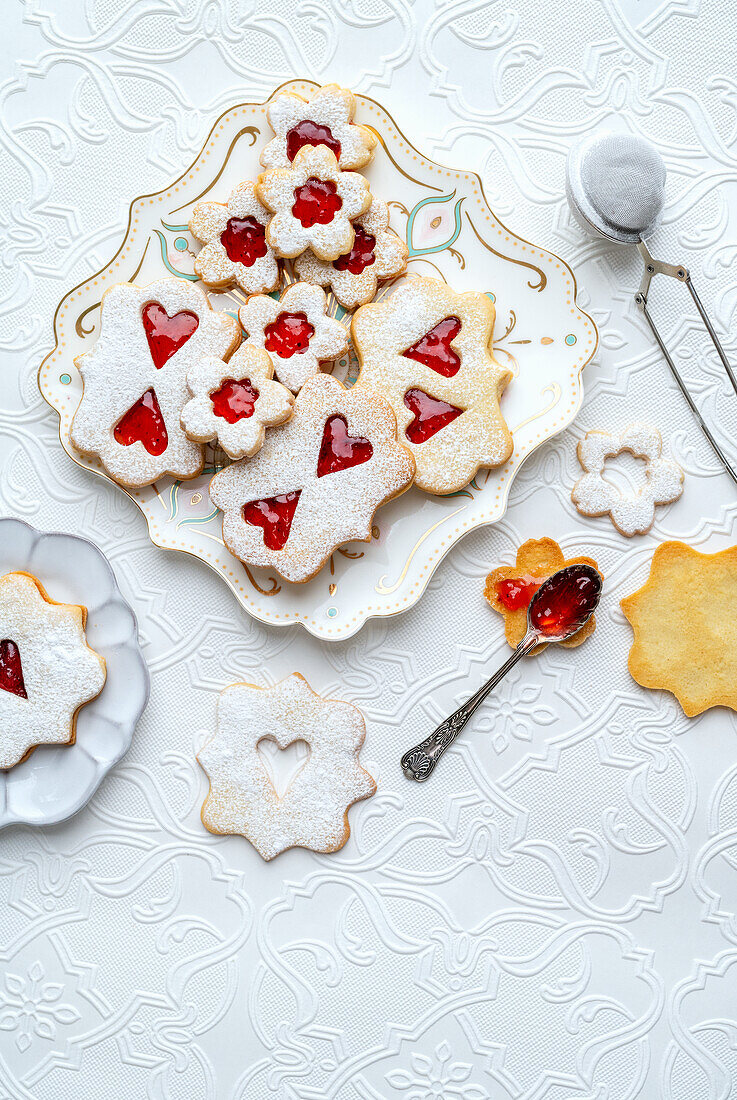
[451, 233]
[56, 781]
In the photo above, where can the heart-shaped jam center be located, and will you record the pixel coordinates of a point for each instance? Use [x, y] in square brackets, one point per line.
[316, 202]
[244, 240]
[308, 132]
[143, 423]
[431, 415]
[339, 450]
[234, 401]
[288, 335]
[275, 515]
[166, 334]
[434, 349]
[360, 256]
[11, 669]
[515, 593]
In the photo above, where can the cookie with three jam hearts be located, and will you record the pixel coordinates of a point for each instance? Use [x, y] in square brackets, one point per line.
[315, 483]
[233, 236]
[135, 379]
[324, 118]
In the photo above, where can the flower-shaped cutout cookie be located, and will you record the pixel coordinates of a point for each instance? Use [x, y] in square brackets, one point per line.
[313, 203]
[631, 514]
[295, 330]
[235, 401]
[313, 811]
[377, 254]
[427, 350]
[235, 249]
[326, 118]
[315, 483]
[684, 620]
[510, 588]
[135, 379]
[47, 670]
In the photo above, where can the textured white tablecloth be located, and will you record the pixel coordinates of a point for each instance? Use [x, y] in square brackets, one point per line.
[553, 916]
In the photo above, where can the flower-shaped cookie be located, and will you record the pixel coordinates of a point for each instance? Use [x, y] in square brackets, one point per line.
[314, 204]
[315, 483]
[633, 514]
[295, 330]
[47, 670]
[313, 811]
[510, 588]
[684, 620]
[377, 253]
[135, 379]
[234, 239]
[326, 118]
[235, 401]
[427, 350]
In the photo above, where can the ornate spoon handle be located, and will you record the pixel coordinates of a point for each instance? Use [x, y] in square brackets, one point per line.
[419, 763]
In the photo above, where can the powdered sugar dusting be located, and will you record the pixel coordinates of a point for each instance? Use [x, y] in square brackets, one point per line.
[330, 106]
[212, 263]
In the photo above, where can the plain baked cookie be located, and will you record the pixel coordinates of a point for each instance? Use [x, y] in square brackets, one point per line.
[325, 118]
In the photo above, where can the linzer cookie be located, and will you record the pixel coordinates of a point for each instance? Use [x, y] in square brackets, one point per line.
[315, 483]
[326, 118]
[313, 811]
[135, 379]
[47, 670]
[234, 239]
[427, 350]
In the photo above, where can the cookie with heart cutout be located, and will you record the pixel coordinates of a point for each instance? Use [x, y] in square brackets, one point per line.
[135, 379]
[233, 236]
[47, 670]
[324, 118]
[315, 483]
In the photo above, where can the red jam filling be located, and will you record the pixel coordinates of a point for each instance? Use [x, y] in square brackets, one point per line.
[308, 132]
[516, 592]
[434, 349]
[234, 401]
[11, 669]
[275, 515]
[567, 602]
[339, 450]
[244, 240]
[431, 415]
[166, 334]
[143, 423]
[316, 202]
[360, 256]
[288, 335]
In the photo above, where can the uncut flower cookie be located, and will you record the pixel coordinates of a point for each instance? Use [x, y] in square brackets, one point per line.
[313, 811]
[377, 254]
[135, 379]
[427, 350]
[234, 240]
[235, 401]
[313, 203]
[296, 332]
[326, 118]
[315, 483]
[47, 670]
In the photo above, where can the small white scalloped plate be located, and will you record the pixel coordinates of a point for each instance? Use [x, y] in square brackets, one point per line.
[57, 781]
[452, 234]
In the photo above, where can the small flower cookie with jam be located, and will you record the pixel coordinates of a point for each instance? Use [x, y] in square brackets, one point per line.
[510, 588]
[296, 332]
[326, 118]
[378, 254]
[233, 236]
[314, 204]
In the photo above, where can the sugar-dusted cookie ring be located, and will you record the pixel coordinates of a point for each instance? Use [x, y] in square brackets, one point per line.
[135, 379]
[296, 332]
[427, 350]
[235, 401]
[377, 254]
[313, 204]
[315, 483]
[47, 670]
[234, 239]
[313, 811]
[593, 495]
[326, 118]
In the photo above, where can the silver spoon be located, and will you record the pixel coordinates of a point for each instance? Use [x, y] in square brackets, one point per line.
[581, 586]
